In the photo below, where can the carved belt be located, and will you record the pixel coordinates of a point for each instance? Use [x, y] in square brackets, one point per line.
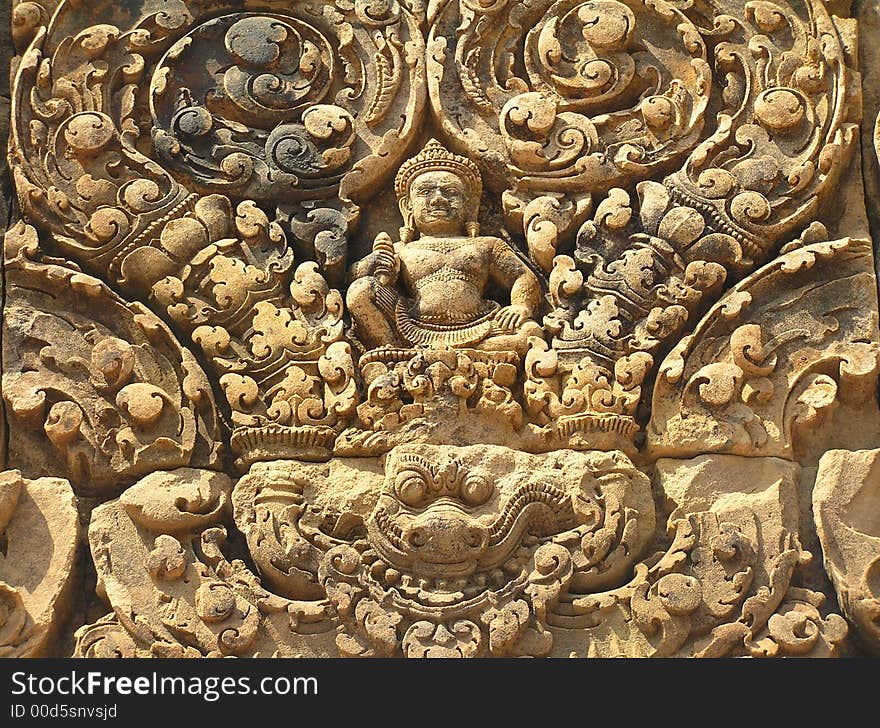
[422, 333]
[431, 334]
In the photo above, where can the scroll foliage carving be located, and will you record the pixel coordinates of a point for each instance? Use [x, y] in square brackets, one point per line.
[611, 93]
[764, 375]
[97, 389]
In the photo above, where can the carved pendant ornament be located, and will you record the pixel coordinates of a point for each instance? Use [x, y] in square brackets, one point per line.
[464, 328]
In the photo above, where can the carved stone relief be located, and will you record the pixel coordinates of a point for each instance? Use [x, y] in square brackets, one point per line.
[846, 518]
[39, 531]
[464, 328]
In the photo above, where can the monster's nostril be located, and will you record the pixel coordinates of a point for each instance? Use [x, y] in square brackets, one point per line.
[417, 538]
[475, 538]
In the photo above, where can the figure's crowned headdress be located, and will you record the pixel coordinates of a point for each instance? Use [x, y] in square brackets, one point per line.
[437, 158]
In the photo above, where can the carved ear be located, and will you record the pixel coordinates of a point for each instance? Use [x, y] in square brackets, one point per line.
[406, 210]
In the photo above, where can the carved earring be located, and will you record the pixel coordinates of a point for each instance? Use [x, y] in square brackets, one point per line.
[407, 234]
[408, 231]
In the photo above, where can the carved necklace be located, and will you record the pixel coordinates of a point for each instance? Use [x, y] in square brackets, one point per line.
[442, 245]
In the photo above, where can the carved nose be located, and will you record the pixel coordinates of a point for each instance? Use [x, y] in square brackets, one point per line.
[446, 539]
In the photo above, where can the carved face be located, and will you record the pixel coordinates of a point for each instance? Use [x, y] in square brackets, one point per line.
[439, 203]
[469, 520]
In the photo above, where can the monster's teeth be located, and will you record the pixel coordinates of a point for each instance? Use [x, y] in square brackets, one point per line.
[392, 576]
[512, 567]
[424, 584]
[377, 568]
[481, 580]
[497, 577]
[442, 585]
[459, 585]
[529, 540]
[368, 555]
[406, 581]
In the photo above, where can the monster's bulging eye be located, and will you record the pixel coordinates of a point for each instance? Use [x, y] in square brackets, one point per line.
[411, 487]
[476, 490]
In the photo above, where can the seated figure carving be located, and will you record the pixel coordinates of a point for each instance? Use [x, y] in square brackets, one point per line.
[429, 289]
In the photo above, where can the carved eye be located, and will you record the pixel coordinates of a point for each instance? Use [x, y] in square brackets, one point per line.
[476, 490]
[411, 487]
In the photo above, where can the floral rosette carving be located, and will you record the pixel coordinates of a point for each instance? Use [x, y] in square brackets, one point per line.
[608, 90]
[287, 105]
[313, 106]
[309, 109]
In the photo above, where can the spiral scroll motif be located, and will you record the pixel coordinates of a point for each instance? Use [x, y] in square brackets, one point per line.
[237, 103]
[610, 88]
[125, 123]
[189, 301]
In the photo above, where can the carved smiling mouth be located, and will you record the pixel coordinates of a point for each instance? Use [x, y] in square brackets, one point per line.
[449, 591]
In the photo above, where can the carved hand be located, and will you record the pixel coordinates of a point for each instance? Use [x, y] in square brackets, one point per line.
[512, 317]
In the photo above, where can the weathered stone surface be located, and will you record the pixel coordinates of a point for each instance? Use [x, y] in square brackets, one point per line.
[755, 500]
[39, 531]
[444, 328]
[96, 388]
[761, 499]
[846, 505]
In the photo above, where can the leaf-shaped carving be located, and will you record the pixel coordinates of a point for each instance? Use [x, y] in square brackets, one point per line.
[770, 360]
[103, 382]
